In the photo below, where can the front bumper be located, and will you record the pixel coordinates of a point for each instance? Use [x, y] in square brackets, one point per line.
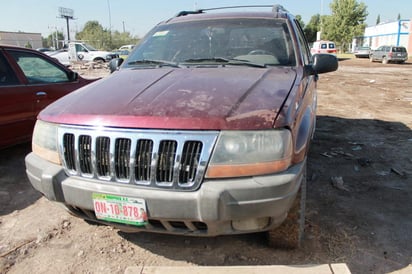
[211, 210]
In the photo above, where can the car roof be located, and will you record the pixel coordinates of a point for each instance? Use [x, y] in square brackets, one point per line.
[277, 11]
[14, 47]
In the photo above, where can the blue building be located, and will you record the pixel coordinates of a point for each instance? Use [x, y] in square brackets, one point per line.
[397, 33]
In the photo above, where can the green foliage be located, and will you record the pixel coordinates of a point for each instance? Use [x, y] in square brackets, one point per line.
[95, 35]
[378, 19]
[312, 28]
[346, 21]
[122, 38]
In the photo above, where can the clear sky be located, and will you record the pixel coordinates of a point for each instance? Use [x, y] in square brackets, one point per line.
[139, 16]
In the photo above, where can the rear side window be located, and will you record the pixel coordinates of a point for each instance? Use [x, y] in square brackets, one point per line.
[37, 69]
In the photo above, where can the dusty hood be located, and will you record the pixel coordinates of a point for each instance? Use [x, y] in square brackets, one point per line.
[180, 98]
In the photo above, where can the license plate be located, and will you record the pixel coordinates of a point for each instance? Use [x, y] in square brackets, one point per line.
[120, 209]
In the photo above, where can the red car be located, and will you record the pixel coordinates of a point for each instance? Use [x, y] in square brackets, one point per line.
[29, 81]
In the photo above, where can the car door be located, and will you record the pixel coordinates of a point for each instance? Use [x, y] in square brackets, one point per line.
[82, 53]
[17, 110]
[378, 53]
[41, 82]
[305, 119]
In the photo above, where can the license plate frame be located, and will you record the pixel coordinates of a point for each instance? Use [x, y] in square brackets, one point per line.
[120, 209]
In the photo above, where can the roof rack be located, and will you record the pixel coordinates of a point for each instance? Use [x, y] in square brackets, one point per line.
[275, 9]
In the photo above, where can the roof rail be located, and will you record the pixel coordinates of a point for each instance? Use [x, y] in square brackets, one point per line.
[275, 9]
[279, 8]
[187, 12]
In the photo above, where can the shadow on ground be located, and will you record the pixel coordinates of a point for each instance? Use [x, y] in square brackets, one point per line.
[363, 222]
[16, 192]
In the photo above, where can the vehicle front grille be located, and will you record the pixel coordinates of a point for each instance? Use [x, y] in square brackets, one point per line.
[159, 159]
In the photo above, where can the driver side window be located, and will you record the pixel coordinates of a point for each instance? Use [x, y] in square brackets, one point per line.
[37, 69]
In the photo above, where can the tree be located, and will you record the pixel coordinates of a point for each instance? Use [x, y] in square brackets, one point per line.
[94, 34]
[399, 16]
[346, 22]
[100, 38]
[378, 20]
[312, 28]
[123, 38]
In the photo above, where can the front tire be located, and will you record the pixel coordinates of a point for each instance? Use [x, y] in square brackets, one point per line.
[289, 234]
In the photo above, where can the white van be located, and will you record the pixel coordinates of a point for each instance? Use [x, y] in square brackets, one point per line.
[323, 46]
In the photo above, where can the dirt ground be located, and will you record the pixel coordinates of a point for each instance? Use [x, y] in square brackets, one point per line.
[359, 205]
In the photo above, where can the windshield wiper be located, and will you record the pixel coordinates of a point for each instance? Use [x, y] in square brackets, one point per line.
[212, 59]
[226, 61]
[159, 63]
[241, 62]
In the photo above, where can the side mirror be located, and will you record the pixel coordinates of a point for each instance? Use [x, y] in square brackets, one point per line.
[323, 63]
[73, 76]
[114, 64]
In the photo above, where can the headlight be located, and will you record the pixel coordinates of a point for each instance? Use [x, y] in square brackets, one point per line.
[249, 153]
[44, 142]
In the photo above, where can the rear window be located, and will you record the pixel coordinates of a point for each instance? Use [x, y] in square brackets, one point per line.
[398, 49]
[327, 45]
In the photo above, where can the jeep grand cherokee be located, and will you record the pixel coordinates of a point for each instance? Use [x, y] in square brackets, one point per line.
[204, 130]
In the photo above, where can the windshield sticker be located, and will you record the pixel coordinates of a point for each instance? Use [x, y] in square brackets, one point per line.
[161, 33]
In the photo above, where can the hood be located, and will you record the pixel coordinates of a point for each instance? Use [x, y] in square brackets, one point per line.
[178, 98]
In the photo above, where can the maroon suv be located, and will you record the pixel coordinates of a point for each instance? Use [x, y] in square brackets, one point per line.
[204, 130]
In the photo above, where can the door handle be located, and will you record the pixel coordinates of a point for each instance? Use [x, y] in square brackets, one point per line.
[41, 93]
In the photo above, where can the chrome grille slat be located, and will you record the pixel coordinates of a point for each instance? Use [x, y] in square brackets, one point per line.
[153, 158]
[189, 161]
[144, 155]
[165, 161]
[85, 154]
[122, 158]
[103, 156]
[69, 151]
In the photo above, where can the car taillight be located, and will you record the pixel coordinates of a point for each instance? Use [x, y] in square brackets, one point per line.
[390, 54]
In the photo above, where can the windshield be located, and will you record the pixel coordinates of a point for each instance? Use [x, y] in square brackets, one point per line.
[89, 48]
[256, 41]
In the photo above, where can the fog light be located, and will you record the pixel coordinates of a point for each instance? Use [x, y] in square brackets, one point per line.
[251, 224]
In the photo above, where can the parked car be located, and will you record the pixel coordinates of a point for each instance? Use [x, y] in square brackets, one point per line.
[46, 50]
[323, 46]
[362, 52]
[127, 47]
[122, 53]
[387, 54]
[203, 131]
[29, 81]
[82, 52]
